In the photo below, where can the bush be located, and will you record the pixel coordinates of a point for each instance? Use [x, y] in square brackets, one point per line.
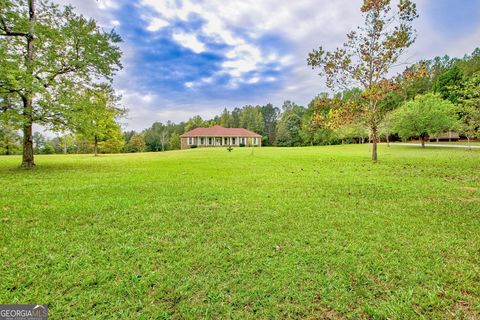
[242, 145]
[48, 148]
[193, 146]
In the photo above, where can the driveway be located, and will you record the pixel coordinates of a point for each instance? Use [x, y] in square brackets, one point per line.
[435, 145]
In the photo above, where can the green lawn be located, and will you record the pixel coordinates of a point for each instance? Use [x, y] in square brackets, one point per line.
[309, 233]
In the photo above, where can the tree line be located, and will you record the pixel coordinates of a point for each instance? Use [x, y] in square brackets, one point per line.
[430, 97]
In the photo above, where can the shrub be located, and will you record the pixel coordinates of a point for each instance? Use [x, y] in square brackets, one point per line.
[193, 146]
[242, 145]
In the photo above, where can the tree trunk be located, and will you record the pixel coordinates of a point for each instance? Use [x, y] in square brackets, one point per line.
[27, 160]
[374, 149]
[388, 141]
[469, 144]
[95, 146]
[423, 142]
[374, 142]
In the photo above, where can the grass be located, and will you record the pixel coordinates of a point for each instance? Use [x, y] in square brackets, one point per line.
[309, 233]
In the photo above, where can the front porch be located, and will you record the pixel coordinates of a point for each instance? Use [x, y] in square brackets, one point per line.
[206, 141]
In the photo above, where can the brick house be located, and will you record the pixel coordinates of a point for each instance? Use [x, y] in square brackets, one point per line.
[218, 136]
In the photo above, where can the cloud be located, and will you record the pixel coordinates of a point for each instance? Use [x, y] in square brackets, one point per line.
[189, 41]
[156, 24]
[187, 57]
[219, 27]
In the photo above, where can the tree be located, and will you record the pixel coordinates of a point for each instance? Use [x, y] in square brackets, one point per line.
[270, 116]
[38, 142]
[114, 143]
[235, 118]
[48, 148]
[368, 56]
[136, 144]
[155, 137]
[448, 84]
[427, 115]
[9, 140]
[468, 109]
[45, 54]
[386, 127]
[97, 116]
[251, 118]
[225, 119]
[174, 141]
[67, 143]
[290, 125]
[195, 122]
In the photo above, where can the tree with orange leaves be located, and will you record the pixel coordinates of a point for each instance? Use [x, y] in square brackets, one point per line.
[368, 55]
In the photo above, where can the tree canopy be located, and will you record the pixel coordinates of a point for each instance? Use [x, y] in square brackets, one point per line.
[425, 116]
[48, 50]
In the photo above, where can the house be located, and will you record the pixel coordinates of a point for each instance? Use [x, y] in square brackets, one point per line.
[218, 136]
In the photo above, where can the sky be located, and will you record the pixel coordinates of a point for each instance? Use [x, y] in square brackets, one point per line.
[187, 57]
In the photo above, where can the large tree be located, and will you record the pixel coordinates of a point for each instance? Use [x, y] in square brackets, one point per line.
[195, 122]
[9, 140]
[368, 55]
[251, 118]
[270, 116]
[45, 50]
[96, 115]
[290, 125]
[425, 116]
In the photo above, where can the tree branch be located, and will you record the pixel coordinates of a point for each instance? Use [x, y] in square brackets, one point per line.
[9, 33]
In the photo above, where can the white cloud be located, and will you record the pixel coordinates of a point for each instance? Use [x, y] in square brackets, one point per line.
[220, 18]
[189, 41]
[107, 4]
[156, 24]
[253, 80]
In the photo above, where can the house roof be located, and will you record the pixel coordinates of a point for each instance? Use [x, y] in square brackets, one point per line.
[219, 131]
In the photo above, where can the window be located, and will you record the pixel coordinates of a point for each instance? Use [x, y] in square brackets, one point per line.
[233, 140]
[210, 141]
[254, 140]
[190, 140]
[202, 140]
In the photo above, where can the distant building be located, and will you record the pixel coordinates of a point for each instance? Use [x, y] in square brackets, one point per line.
[445, 136]
[218, 136]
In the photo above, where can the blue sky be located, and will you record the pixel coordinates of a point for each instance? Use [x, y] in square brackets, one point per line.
[183, 58]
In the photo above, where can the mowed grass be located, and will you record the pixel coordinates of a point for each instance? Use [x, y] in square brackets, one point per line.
[317, 232]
